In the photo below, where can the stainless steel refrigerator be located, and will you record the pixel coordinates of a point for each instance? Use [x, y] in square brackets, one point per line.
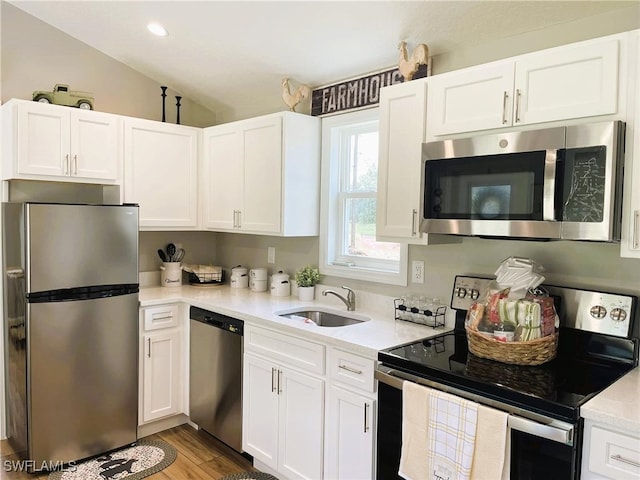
[71, 329]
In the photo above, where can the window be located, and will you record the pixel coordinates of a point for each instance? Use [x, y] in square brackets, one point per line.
[348, 246]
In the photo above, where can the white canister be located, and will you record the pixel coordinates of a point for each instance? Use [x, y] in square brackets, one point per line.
[258, 274]
[258, 285]
[171, 274]
[239, 277]
[280, 286]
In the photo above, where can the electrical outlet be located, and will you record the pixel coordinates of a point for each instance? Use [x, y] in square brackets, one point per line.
[271, 255]
[417, 271]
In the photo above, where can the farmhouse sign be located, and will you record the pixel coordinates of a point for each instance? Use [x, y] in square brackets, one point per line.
[356, 93]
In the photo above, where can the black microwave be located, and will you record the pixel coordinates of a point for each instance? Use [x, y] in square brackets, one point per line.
[553, 183]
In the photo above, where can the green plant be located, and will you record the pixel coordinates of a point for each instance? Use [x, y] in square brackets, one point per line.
[307, 276]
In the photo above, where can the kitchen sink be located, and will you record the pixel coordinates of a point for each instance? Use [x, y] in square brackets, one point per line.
[324, 317]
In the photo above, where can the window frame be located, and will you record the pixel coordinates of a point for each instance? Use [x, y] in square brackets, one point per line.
[331, 216]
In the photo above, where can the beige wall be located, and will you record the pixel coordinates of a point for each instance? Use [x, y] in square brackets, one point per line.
[36, 56]
[616, 21]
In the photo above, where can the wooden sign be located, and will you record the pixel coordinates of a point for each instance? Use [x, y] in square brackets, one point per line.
[356, 93]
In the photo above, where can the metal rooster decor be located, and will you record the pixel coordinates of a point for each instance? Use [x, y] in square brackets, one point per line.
[293, 99]
[409, 66]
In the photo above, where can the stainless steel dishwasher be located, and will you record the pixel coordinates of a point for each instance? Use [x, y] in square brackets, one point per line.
[215, 383]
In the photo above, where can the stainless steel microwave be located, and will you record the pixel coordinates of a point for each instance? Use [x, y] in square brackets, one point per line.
[553, 183]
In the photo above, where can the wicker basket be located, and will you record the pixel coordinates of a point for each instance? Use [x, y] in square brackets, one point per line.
[533, 352]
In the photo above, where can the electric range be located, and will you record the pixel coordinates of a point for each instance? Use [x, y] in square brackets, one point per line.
[597, 344]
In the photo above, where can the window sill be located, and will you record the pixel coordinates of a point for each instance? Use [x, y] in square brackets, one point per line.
[366, 274]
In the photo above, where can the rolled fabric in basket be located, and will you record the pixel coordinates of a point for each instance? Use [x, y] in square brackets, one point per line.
[525, 315]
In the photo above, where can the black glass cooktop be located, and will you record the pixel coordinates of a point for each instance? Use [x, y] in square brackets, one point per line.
[556, 388]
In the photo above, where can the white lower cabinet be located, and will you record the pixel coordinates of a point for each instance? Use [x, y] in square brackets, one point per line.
[283, 408]
[161, 350]
[609, 454]
[350, 435]
[351, 417]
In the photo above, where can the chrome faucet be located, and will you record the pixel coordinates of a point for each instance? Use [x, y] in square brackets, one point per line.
[350, 301]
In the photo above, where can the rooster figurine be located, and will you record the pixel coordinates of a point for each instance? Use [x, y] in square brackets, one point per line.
[409, 66]
[290, 99]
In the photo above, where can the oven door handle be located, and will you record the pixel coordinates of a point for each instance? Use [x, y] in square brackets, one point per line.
[556, 433]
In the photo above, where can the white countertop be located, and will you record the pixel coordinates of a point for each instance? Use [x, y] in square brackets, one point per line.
[618, 405]
[257, 308]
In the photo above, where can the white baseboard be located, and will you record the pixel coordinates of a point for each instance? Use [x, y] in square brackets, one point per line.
[162, 424]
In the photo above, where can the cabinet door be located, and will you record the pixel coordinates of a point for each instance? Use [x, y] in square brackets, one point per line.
[567, 82]
[160, 172]
[301, 425]
[260, 410]
[471, 99]
[161, 384]
[630, 238]
[43, 140]
[94, 145]
[402, 131]
[262, 149]
[223, 171]
[350, 436]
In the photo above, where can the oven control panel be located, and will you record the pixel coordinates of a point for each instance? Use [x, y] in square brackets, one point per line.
[467, 291]
[598, 312]
[592, 311]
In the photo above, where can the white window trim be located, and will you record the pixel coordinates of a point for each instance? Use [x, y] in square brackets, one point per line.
[329, 188]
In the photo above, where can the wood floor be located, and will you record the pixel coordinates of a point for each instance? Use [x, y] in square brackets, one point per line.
[200, 457]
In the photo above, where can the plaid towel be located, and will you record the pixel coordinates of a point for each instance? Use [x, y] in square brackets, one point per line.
[451, 436]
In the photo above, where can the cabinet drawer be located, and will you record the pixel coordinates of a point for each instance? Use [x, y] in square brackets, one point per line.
[614, 455]
[284, 348]
[352, 370]
[164, 316]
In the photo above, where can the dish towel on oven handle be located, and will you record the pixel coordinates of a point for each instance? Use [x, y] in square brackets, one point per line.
[415, 407]
[451, 436]
[491, 445]
[434, 446]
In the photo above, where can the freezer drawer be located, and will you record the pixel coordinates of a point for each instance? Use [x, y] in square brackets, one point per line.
[82, 379]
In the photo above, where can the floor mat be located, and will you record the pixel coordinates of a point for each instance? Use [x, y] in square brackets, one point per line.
[145, 458]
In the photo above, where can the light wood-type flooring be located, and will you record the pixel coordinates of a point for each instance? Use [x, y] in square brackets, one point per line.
[200, 457]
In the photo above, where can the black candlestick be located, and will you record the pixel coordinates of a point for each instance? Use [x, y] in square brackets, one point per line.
[178, 109]
[164, 94]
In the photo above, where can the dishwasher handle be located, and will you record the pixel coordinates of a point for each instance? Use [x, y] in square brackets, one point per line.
[213, 321]
[217, 320]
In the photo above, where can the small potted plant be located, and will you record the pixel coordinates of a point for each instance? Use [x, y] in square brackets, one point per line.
[306, 279]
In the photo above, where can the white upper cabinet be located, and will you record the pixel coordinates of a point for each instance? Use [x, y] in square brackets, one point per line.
[567, 82]
[471, 99]
[52, 142]
[630, 235]
[262, 175]
[402, 111]
[401, 133]
[160, 173]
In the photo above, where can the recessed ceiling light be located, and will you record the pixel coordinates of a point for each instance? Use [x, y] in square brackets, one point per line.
[157, 29]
